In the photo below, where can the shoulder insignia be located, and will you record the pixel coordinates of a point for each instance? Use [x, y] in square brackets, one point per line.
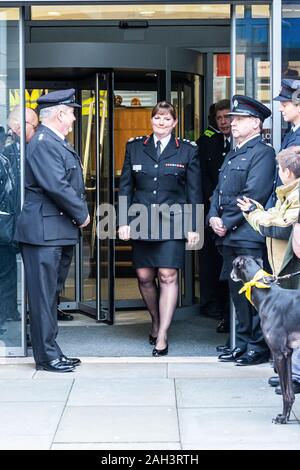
[41, 136]
[208, 133]
[193, 143]
[133, 139]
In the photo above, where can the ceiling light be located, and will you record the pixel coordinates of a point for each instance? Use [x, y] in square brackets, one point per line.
[54, 13]
[147, 13]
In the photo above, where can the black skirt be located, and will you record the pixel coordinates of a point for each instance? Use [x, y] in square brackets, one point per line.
[159, 254]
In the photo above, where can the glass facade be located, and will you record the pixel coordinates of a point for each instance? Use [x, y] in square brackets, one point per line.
[253, 54]
[11, 289]
[290, 60]
[253, 74]
[131, 12]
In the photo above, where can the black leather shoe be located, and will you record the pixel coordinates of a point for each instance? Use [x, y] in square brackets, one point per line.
[223, 348]
[72, 361]
[152, 340]
[274, 381]
[296, 388]
[231, 356]
[223, 326]
[160, 352]
[62, 316]
[252, 358]
[55, 366]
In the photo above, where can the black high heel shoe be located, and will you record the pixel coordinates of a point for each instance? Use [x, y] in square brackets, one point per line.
[152, 340]
[160, 352]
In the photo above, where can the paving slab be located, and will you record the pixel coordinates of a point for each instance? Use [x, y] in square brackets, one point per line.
[26, 442]
[243, 428]
[222, 392]
[16, 371]
[25, 390]
[118, 446]
[118, 424]
[217, 369]
[122, 392]
[29, 419]
[90, 370]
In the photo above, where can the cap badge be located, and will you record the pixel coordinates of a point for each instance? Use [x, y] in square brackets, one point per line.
[235, 103]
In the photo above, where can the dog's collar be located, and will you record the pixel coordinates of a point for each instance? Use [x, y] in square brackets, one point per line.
[255, 283]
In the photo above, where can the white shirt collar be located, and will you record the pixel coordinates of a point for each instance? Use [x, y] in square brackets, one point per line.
[59, 134]
[247, 140]
[164, 141]
[296, 127]
[227, 138]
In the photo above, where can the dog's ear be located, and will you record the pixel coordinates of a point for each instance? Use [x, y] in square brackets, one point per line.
[260, 262]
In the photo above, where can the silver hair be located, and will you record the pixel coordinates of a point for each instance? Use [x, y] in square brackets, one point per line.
[48, 113]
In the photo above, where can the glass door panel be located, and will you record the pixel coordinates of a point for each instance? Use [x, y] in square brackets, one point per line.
[12, 306]
[253, 75]
[186, 97]
[88, 245]
[97, 264]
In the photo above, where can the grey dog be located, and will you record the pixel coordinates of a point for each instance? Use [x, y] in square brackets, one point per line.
[279, 311]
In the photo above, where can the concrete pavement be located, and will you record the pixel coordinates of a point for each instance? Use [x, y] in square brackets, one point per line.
[142, 403]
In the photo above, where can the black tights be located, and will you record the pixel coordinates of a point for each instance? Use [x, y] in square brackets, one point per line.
[161, 302]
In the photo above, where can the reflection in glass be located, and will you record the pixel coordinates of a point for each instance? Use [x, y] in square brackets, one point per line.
[290, 44]
[253, 56]
[88, 136]
[131, 12]
[10, 121]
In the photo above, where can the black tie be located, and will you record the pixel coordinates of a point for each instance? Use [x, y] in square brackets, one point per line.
[158, 149]
[226, 146]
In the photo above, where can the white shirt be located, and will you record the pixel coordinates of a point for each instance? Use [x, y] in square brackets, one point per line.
[164, 141]
[226, 138]
[59, 134]
[247, 140]
[296, 127]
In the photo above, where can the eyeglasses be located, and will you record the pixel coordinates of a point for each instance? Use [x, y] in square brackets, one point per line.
[34, 126]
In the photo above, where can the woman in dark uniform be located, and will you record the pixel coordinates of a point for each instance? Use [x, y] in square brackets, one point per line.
[160, 170]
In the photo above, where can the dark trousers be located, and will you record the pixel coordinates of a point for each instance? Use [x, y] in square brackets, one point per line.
[45, 267]
[249, 335]
[8, 283]
[66, 259]
[214, 293]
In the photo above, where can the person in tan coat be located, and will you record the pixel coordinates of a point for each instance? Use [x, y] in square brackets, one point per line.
[277, 222]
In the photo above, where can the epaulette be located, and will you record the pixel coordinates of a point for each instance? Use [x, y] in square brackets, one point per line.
[133, 139]
[209, 133]
[187, 141]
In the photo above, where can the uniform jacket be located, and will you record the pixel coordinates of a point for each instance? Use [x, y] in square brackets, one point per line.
[290, 139]
[54, 203]
[247, 171]
[211, 157]
[270, 223]
[174, 178]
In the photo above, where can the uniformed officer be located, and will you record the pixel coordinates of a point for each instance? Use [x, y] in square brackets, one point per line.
[248, 170]
[49, 224]
[10, 205]
[160, 169]
[289, 106]
[213, 147]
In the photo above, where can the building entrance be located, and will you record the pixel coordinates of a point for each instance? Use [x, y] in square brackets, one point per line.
[116, 105]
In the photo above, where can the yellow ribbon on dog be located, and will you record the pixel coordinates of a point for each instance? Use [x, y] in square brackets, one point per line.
[255, 283]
